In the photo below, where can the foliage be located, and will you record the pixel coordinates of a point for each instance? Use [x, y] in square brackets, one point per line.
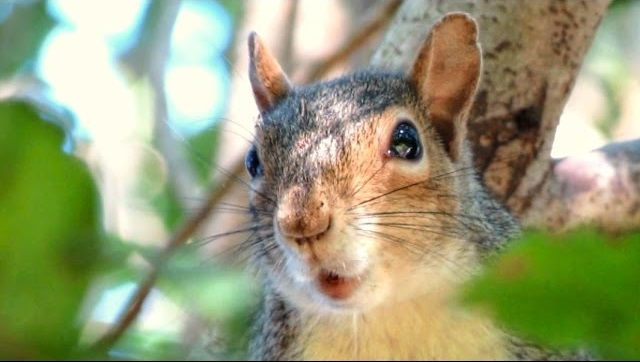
[570, 290]
[49, 237]
[53, 249]
[56, 263]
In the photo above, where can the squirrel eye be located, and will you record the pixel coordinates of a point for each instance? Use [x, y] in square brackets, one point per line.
[252, 163]
[405, 142]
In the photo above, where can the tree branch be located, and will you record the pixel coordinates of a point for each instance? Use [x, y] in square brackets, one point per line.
[529, 68]
[599, 188]
[188, 229]
[361, 36]
[290, 10]
[147, 58]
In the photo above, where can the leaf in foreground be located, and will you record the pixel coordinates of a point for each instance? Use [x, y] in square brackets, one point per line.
[567, 291]
[49, 237]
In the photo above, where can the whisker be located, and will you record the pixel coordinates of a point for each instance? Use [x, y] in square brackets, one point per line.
[365, 182]
[240, 125]
[231, 176]
[417, 248]
[433, 215]
[437, 230]
[249, 248]
[430, 180]
[413, 213]
[422, 251]
[385, 194]
[211, 238]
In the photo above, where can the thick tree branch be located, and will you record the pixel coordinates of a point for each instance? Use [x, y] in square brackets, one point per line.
[599, 188]
[530, 66]
[363, 33]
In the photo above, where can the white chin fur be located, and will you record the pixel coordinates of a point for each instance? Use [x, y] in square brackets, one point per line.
[299, 284]
[298, 281]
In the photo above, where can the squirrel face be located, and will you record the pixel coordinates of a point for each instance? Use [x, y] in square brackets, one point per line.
[356, 201]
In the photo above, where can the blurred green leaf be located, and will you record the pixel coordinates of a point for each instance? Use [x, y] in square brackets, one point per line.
[201, 149]
[149, 345]
[235, 8]
[114, 265]
[22, 33]
[224, 295]
[568, 290]
[49, 237]
[167, 207]
[215, 291]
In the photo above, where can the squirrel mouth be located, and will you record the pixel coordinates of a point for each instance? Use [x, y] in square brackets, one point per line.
[336, 286]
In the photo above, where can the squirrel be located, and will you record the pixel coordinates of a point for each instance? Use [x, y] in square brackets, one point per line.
[368, 214]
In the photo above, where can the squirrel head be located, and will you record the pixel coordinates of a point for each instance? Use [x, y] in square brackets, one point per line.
[361, 184]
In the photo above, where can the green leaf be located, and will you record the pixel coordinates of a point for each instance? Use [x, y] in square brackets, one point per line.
[224, 295]
[49, 237]
[568, 291]
[201, 149]
[213, 291]
[149, 345]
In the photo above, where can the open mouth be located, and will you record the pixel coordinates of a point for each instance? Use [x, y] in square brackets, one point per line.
[337, 286]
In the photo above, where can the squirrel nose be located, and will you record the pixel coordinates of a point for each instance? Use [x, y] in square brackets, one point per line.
[303, 216]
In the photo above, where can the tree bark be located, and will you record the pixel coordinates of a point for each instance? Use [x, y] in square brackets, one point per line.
[532, 53]
[599, 188]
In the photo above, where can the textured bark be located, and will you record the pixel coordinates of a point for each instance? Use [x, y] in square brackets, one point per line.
[599, 188]
[532, 54]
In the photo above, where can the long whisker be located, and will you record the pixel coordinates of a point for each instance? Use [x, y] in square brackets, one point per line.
[386, 194]
[420, 249]
[462, 219]
[365, 182]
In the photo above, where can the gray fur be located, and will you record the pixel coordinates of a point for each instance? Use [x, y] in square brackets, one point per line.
[323, 109]
[291, 128]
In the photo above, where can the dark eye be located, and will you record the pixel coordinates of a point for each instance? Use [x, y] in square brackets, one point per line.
[405, 142]
[252, 163]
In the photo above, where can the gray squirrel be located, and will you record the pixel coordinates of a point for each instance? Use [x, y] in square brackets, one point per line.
[367, 213]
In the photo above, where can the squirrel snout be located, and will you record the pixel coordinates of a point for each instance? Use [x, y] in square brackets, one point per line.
[303, 216]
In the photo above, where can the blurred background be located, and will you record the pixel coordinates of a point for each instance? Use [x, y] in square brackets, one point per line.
[154, 98]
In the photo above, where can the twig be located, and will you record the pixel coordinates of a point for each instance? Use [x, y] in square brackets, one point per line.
[147, 58]
[190, 226]
[354, 42]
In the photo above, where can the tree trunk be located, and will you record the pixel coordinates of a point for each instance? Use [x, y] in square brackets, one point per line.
[532, 52]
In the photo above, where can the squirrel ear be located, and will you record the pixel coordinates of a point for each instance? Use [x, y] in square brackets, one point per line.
[446, 73]
[268, 81]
